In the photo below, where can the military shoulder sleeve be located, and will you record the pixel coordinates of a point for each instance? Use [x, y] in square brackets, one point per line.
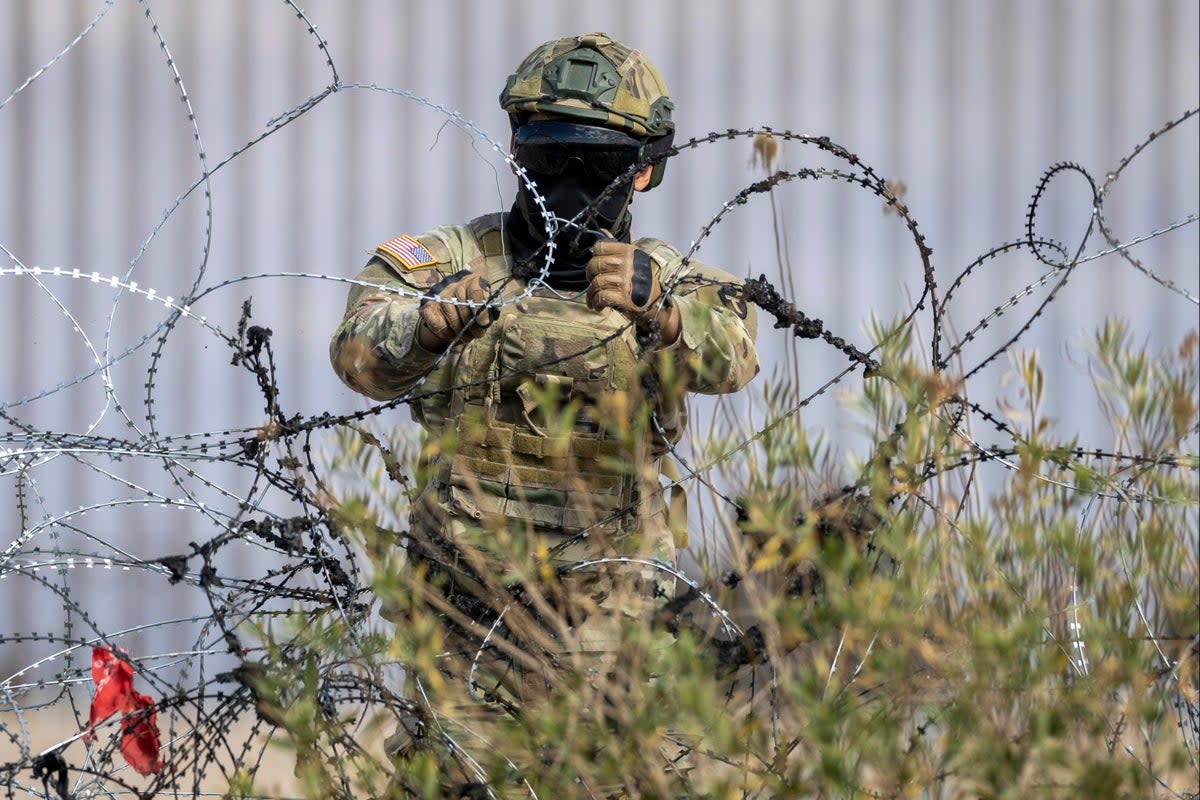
[716, 343]
[408, 261]
[414, 260]
[374, 350]
[666, 257]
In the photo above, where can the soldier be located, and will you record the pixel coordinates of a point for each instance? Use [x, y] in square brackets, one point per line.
[550, 359]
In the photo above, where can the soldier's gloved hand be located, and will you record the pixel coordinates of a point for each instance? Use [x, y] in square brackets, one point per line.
[440, 323]
[621, 276]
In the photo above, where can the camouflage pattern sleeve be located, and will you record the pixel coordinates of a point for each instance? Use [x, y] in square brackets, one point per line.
[716, 344]
[375, 350]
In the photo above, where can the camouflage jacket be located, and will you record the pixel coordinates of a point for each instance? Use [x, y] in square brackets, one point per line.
[487, 392]
[374, 351]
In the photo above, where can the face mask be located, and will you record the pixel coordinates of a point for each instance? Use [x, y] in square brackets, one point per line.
[572, 196]
[573, 166]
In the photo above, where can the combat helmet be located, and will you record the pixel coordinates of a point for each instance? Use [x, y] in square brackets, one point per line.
[595, 80]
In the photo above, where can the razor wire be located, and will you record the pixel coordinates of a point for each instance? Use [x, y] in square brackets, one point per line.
[203, 691]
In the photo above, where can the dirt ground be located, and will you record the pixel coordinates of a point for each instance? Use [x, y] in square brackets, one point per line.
[47, 728]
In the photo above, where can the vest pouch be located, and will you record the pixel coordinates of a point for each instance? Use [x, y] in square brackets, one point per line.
[513, 477]
[545, 340]
[528, 454]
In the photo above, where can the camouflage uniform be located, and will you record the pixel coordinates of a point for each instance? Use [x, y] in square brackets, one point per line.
[546, 432]
[485, 394]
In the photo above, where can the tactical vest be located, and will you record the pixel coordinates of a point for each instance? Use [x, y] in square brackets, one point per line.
[539, 415]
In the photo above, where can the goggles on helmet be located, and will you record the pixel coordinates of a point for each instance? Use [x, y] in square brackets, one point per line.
[554, 147]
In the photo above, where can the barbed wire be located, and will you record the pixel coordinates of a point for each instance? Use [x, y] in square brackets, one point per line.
[278, 507]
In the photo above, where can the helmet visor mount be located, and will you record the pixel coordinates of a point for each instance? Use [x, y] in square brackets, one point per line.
[556, 147]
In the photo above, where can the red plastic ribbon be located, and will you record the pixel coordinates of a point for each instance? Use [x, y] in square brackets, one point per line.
[113, 678]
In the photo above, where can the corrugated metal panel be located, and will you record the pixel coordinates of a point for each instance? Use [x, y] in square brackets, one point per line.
[966, 102]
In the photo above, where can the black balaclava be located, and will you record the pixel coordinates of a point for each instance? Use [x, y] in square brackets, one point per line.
[566, 195]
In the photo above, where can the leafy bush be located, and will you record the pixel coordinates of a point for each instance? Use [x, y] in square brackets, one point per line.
[959, 620]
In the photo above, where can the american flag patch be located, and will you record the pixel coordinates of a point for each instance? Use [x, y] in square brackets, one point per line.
[408, 251]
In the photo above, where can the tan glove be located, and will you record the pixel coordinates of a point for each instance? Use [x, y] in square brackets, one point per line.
[621, 276]
[441, 323]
